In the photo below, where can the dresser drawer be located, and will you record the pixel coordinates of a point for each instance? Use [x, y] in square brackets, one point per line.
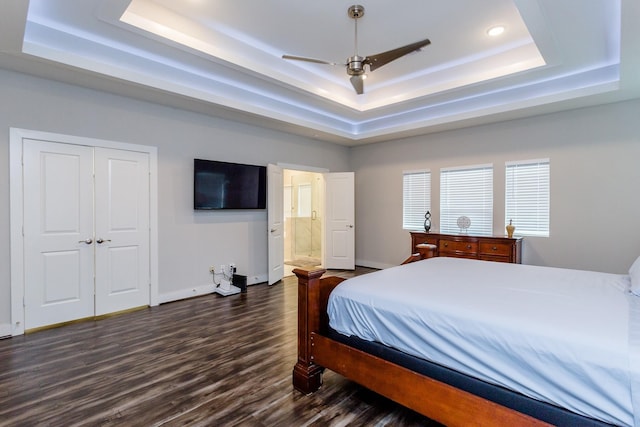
[495, 258]
[459, 247]
[488, 248]
[419, 239]
[491, 248]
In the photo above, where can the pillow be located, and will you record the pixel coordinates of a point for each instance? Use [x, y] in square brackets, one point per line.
[634, 273]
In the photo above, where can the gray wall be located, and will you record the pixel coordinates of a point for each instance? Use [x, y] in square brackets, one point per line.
[594, 153]
[595, 180]
[189, 242]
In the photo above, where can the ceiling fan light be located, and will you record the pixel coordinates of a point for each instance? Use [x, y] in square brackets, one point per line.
[495, 30]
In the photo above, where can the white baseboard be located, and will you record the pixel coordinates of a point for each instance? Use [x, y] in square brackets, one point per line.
[186, 293]
[373, 264]
[203, 290]
[260, 278]
[5, 330]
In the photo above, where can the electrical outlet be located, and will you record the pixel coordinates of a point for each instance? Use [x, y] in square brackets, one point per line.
[232, 267]
[212, 270]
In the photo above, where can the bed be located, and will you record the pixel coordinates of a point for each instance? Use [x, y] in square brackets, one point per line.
[468, 342]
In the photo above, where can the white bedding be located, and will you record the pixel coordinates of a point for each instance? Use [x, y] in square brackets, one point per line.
[557, 335]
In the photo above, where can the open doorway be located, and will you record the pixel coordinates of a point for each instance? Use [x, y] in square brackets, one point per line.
[303, 219]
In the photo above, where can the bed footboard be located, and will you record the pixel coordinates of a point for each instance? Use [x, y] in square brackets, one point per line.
[313, 294]
[434, 399]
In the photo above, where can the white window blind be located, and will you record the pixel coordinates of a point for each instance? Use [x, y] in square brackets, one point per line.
[416, 198]
[467, 191]
[527, 196]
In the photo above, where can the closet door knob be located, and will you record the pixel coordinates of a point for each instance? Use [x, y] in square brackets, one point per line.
[87, 241]
[101, 241]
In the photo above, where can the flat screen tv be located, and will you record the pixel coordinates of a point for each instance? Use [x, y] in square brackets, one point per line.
[222, 185]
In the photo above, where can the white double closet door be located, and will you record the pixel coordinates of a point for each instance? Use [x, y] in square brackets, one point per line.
[86, 231]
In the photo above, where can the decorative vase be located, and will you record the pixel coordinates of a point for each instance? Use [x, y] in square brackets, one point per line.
[510, 229]
[427, 221]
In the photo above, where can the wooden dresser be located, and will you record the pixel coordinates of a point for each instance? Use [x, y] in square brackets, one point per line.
[488, 248]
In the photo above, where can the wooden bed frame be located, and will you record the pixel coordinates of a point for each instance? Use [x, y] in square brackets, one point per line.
[434, 399]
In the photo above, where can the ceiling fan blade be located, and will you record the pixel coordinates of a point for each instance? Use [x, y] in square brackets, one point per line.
[380, 59]
[301, 58]
[358, 84]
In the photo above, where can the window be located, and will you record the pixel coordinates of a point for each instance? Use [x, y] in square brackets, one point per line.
[416, 198]
[467, 191]
[527, 196]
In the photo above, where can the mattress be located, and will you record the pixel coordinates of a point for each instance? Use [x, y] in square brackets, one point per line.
[557, 335]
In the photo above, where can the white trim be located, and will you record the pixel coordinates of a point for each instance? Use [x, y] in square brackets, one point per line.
[302, 168]
[16, 224]
[154, 278]
[16, 136]
[374, 264]
[257, 279]
[186, 293]
[203, 290]
[462, 168]
[406, 172]
[526, 162]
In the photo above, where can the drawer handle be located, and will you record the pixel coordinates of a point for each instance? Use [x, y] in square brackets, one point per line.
[446, 244]
[468, 246]
[494, 248]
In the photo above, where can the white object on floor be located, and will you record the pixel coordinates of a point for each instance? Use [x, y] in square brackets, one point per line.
[227, 290]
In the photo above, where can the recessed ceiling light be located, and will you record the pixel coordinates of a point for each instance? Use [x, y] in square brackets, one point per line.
[495, 31]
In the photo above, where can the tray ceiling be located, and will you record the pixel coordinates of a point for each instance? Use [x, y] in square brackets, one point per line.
[225, 58]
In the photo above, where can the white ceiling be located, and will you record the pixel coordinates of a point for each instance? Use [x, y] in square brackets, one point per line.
[223, 58]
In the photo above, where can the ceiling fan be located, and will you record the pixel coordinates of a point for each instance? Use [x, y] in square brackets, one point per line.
[355, 64]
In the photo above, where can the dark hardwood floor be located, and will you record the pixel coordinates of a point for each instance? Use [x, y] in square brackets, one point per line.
[206, 361]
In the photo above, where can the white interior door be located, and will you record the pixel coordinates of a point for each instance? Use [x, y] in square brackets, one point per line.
[58, 233]
[121, 229]
[275, 223]
[340, 221]
[54, 254]
[87, 226]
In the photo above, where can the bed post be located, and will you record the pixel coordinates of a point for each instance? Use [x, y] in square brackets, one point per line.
[307, 377]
